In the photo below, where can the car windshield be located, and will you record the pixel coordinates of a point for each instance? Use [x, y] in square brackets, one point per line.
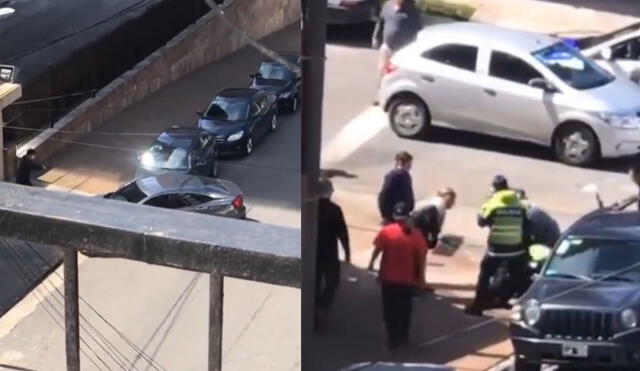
[275, 71]
[169, 152]
[228, 109]
[572, 67]
[594, 258]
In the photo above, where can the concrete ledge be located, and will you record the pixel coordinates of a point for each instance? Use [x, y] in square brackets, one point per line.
[205, 41]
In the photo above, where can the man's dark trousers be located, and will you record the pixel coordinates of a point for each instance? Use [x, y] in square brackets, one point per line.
[517, 270]
[397, 305]
[327, 282]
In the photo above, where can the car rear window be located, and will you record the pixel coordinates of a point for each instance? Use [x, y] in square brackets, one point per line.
[455, 55]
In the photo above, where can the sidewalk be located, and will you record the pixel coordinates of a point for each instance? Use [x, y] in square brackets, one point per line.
[552, 16]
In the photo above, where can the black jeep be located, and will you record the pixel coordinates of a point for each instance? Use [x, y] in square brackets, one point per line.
[584, 308]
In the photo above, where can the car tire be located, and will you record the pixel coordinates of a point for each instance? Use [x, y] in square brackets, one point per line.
[274, 123]
[409, 117]
[215, 169]
[248, 147]
[576, 144]
[521, 365]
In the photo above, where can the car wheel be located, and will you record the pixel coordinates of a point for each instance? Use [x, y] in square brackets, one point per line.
[576, 144]
[215, 169]
[274, 122]
[248, 148]
[521, 365]
[409, 117]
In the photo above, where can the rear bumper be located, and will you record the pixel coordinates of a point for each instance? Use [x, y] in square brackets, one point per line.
[338, 15]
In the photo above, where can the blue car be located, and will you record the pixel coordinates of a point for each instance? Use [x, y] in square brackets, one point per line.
[240, 118]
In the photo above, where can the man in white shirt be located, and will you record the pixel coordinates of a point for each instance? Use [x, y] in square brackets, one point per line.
[429, 214]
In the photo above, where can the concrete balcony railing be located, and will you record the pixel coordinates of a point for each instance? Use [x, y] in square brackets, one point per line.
[214, 245]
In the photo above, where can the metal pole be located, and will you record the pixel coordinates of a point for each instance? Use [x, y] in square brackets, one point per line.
[71, 309]
[216, 294]
[313, 50]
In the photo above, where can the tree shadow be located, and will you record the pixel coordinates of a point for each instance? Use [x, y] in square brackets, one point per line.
[440, 332]
[516, 148]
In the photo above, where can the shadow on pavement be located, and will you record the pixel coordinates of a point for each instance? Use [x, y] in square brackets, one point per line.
[515, 148]
[355, 331]
[357, 36]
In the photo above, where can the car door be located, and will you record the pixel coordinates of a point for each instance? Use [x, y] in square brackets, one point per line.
[200, 203]
[166, 201]
[257, 116]
[625, 56]
[206, 154]
[447, 80]
[511, 107]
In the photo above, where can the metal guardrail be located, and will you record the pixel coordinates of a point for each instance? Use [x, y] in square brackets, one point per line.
[214, 245]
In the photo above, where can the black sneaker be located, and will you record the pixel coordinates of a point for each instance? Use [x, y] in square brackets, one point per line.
[473, 311]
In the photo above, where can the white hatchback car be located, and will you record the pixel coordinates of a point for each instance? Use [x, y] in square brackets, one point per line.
[513, 84]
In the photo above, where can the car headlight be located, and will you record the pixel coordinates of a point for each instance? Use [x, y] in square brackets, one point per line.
[629, 318]
[531, 312]
[147, 159]
[621, 121]
[235, 136]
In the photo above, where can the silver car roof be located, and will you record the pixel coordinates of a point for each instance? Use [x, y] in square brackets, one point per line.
[487, 35]
[168, 183]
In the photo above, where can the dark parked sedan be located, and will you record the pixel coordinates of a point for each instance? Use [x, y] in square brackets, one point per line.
[184, 192]
[584, 309]
[182, 150]
[353, 11]
[283, 82]
[239, 118]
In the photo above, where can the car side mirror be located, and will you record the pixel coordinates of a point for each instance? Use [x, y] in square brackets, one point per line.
[543, 84]
[607, 54]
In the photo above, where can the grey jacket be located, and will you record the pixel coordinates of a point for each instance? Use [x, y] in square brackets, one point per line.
[397, 27]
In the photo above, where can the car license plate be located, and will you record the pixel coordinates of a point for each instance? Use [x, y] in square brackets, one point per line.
[576, 350]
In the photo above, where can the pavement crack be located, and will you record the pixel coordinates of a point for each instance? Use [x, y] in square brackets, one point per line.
[246, 327]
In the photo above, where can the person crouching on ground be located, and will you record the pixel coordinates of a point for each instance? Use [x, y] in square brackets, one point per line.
[429, 215]
[27, 165]
[403, 252]
[331, 229]
[397, 187]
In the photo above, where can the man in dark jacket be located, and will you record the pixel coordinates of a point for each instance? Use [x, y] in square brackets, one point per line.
[331, 229]
[397, 187]
[27, 165]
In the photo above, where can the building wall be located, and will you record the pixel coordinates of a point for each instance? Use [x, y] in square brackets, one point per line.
[207, 40]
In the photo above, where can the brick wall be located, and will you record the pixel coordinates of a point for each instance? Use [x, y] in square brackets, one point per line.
[207, 40]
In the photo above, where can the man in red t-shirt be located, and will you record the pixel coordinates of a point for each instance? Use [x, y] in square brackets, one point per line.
[404, 251]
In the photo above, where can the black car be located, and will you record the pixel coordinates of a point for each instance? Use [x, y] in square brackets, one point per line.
[282, 81]
[343, 12]
[583, 310]
[239, 118]
[186, 150]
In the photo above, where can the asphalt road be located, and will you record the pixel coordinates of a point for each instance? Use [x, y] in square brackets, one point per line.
[37, 21]
[162, 310]
[356, 138]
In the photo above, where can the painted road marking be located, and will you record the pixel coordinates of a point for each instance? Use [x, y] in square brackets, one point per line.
[354, 135]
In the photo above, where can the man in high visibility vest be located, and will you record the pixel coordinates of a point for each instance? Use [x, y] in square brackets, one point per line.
[507, 241]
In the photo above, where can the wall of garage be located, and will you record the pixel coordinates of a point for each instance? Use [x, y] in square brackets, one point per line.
[207, 40]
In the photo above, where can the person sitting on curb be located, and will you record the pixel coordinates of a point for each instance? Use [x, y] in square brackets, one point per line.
[27, 165]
